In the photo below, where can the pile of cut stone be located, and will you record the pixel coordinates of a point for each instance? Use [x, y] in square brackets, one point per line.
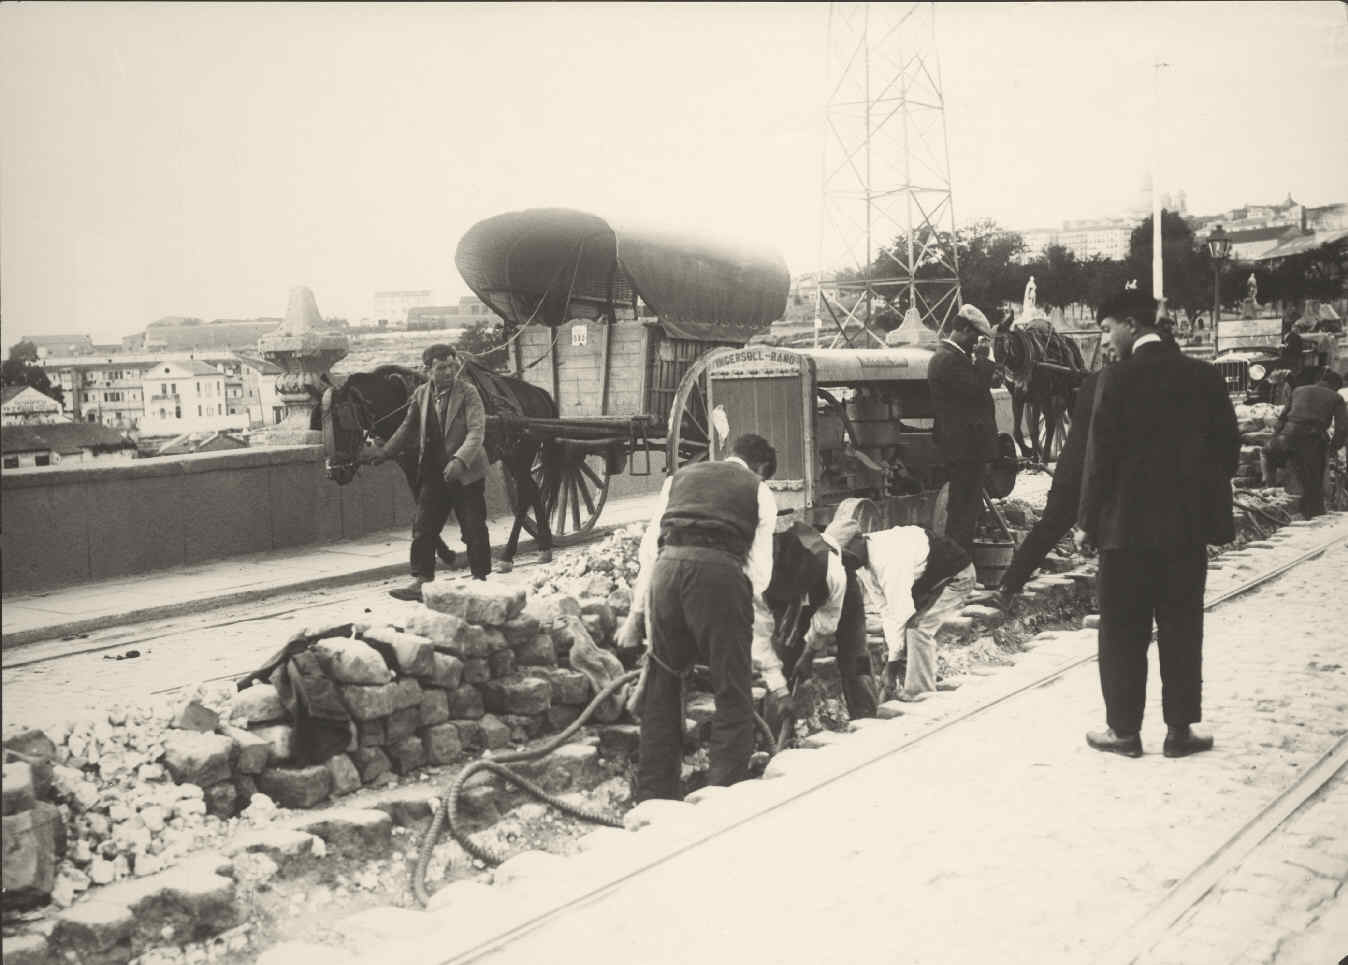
[605, 570]
[1256, 423]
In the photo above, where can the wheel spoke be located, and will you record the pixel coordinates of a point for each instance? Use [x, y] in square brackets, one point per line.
[584, 491]
[575, 502]
[593, 476]
[559, 511]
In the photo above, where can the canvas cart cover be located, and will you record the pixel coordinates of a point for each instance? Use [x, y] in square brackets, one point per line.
[550, 265]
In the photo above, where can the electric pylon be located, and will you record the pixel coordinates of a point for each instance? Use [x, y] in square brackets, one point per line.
[887, 238]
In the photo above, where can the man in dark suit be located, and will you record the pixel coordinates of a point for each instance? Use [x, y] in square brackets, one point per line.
[447, 422]
[965, 430]
[1156, 490]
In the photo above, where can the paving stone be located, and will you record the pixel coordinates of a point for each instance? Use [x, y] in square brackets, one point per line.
[406, 693]
[441, 743]
[458, 896]
[408, 806]
[448, 633]
[252, 751]
[620, 600]
[470, 734]
[465, 703]
[290, 849]
[476, 670]
[520, 630]
[403, 724]
[194, 758]
[619, 741]
[368, 702]
[524, 728]
[561, 716]
[413, 654]
[92, 928]
[527, 864]
[489, 604]
[350, 661]
[345, 775]
[446, 670]
[28, 949]
[296, 787]
[364, 833]
[258, 704]
[434, 707]
[495, 732]
[30, 859]
[280, 738]
[33, 744]
[495, 639]
[17, 785]
[371, 762]
[194, 715]
[407, 754]
[379, 926]
[538, 652]
[598, 630]
[502, 663]
[305, 953]
[568, 686]
[372, 733]
[517, 695]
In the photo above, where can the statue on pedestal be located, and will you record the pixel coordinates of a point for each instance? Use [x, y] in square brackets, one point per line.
[305, 354]
[1249, 308]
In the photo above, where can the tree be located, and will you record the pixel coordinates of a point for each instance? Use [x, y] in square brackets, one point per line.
[1059, 277]
[21, 368]
[1187, 267]
[485, 342]
[1103, 278]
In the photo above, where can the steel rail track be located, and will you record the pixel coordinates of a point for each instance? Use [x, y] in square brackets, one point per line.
[1182, 897]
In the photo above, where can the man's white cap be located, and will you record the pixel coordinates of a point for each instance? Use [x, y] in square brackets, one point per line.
[977, 319]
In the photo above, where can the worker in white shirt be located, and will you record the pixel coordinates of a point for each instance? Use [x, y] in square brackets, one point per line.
[705, 556]
[814, 600]
[916, 579]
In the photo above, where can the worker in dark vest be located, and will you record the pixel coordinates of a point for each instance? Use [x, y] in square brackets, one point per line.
[1304, 428]
[916, 579]
[815, 600]
[705, 555]
[965, 426]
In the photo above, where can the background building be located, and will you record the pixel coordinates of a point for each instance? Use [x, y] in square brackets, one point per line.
[185, 397]
[391, 307]
[25, 405]
[60, 444]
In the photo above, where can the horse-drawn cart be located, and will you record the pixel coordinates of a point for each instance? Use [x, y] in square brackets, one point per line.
[608, 319]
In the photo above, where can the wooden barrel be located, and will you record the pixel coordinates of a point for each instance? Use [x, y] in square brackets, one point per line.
[991, 559]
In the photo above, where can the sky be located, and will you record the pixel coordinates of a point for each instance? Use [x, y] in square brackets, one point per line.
[199, 159]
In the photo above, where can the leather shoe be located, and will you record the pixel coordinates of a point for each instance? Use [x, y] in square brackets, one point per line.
[1107, 740]
[411, 592]
[1183, 742]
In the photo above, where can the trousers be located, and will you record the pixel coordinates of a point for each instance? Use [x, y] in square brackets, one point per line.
[435, 500]
[854, 665]
[1137, 586]
[701, 611]
[1308, 454]
[920, 632]
[965, 502]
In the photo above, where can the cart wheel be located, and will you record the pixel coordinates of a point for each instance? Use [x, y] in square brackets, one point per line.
[582, 490]
[1059, 436]
[689, 426]
[863, 512]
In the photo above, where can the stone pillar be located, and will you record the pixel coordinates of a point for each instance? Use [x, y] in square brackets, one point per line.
[305, 354]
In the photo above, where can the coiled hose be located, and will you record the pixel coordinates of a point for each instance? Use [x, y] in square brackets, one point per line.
[446, 809]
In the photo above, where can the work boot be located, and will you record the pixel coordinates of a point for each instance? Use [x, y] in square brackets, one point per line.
[1182, 741]
[1128, 745]
[411, 592]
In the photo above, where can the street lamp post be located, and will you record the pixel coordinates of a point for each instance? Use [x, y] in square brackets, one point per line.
[1219, 247]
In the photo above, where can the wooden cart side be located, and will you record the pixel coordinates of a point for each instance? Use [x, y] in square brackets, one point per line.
[599, 366]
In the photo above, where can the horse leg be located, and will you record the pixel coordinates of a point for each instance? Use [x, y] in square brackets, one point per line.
[407, 461]
[542, 506]
[1017, 416]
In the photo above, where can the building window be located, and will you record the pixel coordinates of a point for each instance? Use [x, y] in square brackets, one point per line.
[43, 460]
[163, 413]
[198, 412]
[177, 412]
[11, 462]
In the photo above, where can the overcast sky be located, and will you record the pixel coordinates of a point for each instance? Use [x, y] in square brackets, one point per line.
[200, 160]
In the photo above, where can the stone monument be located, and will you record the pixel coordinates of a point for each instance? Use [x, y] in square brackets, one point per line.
[1031, 315]
[911, 332]
[1249, 308]
[305, 354]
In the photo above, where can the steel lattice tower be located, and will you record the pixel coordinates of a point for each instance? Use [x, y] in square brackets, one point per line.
[887, 207]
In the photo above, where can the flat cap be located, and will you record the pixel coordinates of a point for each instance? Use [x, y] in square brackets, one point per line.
[977, 319]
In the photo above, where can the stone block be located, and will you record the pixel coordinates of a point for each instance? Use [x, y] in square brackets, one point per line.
[368, 702]
[350, 661]
[494, 639]
[520, 630]
[30, 859]
[27, 949]
[194, 758]
[538, 652]
[502, 662]
[568, 686]
[620, 600]
[561, 716]
[476, 670]
[245, 786]
[92, 929]
[490, 604]
[296, 787]
[222, 800]
[252, 751]
[363, 833]
[372, 733]
[17, 788]
[32, 744]
[448, 633]
[412, 653]
[517, 695]
[702, 707]
[434, 708]
[370, 762]
[402, 724]
[524, 728]
[281, 739]
[406, 693]
[407, 754]
[465, 703]
[600, 608]
[446, 671]
[470, 734]
[345, 776]
[598, 630]
[258, 704]
[194, 715]
[288, 848]
[619, 741]
[495, 732]
[441, 743]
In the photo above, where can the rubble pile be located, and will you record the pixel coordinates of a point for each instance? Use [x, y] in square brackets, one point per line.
[1256, 423]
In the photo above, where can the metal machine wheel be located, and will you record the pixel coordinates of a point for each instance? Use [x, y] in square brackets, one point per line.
[863, 512]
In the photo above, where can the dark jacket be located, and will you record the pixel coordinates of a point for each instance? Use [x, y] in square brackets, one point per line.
[965, 428]
[464, 427]
[1312, 409]
[1162, 449]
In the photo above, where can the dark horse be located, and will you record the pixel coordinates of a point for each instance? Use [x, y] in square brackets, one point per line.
[373, 404]
[1044, 370]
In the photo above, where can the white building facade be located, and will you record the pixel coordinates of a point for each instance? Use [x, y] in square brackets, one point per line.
[187, 397]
